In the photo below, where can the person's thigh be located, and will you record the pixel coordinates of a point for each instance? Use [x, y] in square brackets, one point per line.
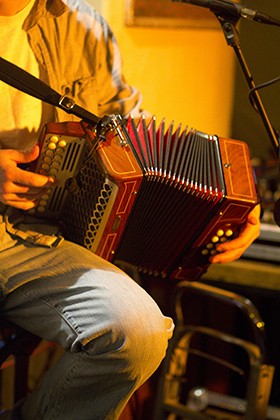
[113, 329]
[71, 296]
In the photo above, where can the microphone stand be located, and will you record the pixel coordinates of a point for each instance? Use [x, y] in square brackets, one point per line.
[228, 24]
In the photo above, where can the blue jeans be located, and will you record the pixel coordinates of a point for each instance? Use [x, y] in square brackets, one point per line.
[113, 333]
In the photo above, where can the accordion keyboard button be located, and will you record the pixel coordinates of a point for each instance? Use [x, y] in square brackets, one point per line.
[62, 143]
[45, 166]
[54, 139]
[43, 203]
[52, 146]
[215, 239]
[53, 171]
[57, 158]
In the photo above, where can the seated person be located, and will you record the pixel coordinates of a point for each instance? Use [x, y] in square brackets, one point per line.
[113, 333]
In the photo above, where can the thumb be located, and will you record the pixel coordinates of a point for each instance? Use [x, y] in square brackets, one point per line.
[254, 216]
[28, 155]
[252, 220]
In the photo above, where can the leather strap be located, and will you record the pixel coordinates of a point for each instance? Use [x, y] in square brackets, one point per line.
[24, 81]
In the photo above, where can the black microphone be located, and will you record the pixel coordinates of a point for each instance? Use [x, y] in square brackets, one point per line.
[233, 9]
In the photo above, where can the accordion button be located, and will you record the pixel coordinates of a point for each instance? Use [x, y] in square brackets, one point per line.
[220, 232]
[57, 158]
[41, 209]
[42, 203]
[52, 146]
[59, 151]
[54, 139]
[49, 153]
[205, 252]
[53, 171]
[45, 166]
[62, 143]
[215, 239]
[55, 164]
[229, 233]
[209, 246]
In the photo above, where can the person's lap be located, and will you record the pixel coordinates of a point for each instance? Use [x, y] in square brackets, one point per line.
[70, 296]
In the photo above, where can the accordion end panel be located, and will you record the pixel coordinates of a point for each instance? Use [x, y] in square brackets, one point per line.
[110, 181]
[105, 175]
[238, 171]
[241, 197]
[177, 222]
[119, 164]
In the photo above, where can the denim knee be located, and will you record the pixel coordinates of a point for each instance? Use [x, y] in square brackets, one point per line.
[136, 335]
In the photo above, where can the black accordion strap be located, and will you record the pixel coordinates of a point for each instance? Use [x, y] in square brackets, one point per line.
[24, 81]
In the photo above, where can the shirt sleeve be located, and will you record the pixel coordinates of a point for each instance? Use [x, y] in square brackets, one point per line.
[115, 95]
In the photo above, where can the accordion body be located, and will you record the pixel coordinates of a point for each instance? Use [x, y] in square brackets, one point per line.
[155, 198]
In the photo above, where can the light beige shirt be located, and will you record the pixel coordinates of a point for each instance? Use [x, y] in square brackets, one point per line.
[21, 115]
[78, 55]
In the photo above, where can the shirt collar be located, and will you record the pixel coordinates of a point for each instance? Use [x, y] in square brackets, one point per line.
[44, 8]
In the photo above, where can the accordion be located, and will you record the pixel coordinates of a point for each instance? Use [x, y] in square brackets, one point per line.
[158, 198]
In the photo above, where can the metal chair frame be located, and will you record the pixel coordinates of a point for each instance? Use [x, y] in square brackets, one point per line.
[258, 385]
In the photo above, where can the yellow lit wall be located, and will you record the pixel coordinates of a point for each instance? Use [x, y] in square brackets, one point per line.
[183, 74]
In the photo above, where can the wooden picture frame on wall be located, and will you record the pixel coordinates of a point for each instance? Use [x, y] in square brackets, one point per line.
[165, 13]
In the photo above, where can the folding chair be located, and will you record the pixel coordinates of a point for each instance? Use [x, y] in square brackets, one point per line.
[184, 394]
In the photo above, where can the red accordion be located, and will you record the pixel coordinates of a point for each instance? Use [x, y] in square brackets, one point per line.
[156, 198]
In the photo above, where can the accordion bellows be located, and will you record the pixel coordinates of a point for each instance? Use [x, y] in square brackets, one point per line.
[154, 197]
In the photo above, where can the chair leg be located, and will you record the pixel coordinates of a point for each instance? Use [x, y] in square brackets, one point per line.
[27, 343]
[20, 344]
[21, 377]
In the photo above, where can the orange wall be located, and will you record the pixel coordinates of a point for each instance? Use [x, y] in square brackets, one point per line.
[184, 74]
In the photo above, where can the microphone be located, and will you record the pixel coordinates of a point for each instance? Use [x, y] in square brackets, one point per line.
[233, 9]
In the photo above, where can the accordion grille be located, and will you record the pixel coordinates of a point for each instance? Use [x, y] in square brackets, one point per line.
[85, 210]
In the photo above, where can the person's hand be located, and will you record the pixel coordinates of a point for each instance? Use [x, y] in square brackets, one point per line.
[232, 250]
[20, 188]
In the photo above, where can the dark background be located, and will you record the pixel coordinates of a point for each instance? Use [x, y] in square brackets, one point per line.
[260, 44]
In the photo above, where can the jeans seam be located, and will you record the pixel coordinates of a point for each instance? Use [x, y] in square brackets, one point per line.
[59, 313]
[57, 408]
